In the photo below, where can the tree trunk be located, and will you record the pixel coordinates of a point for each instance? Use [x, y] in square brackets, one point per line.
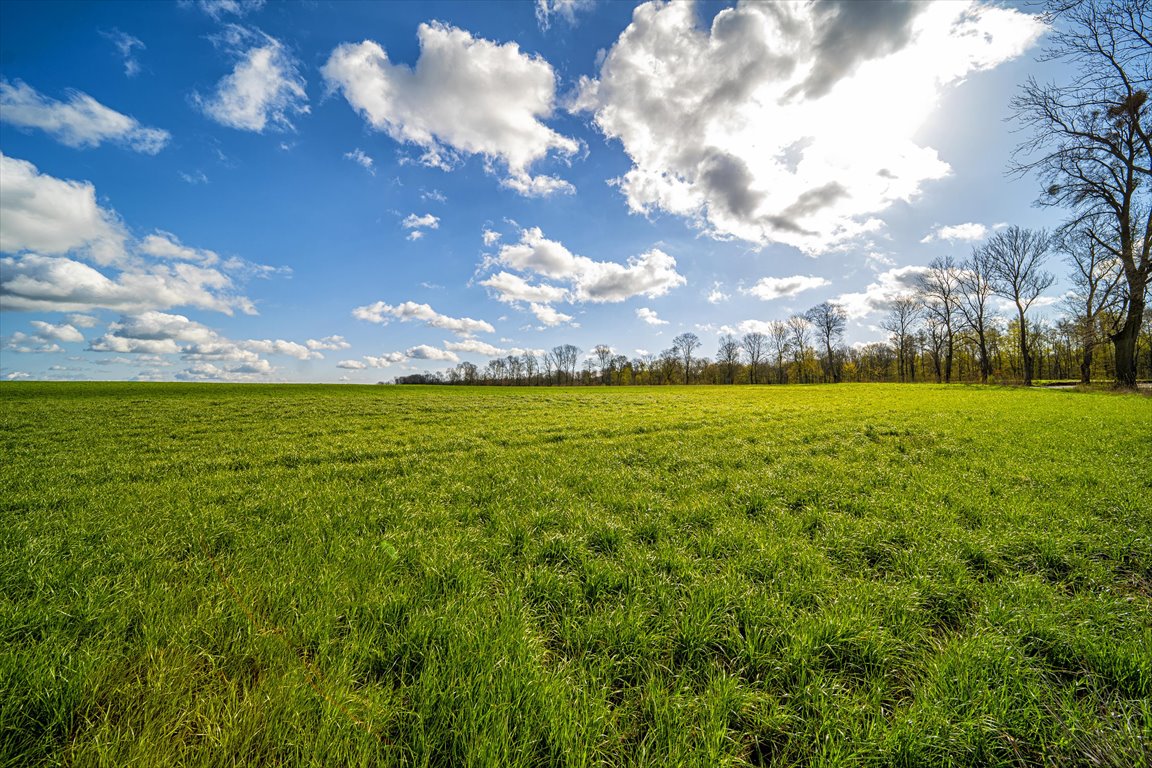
[1125, 339]
[1025, 357]
[1086, 365]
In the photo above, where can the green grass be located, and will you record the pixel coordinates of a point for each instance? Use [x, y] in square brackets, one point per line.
[820, 576]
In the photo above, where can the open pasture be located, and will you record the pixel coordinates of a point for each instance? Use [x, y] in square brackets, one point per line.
[819, 576]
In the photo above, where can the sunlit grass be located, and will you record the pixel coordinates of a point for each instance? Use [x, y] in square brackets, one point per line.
[851, 575]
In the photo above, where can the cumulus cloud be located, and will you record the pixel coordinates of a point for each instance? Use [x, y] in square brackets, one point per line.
[79, 122]
[769, 288]
[264, 88]
[465, 96]
[879, 295]
[213, 355]
[650, 274]
[477, 347]
[382, 313]
[63, 332]
[83, 321]
[649, 316]
[54, 216]
[126, 44]
[32, 282]
[512, 288]
[54, 227]
[427, 221]
[351, 365]
[548, 315]
[330, 343]
[383, 361]
[717, 295]
[426, 352]
[490, 238]
[364, 161]
[967, 231]
[791, 123]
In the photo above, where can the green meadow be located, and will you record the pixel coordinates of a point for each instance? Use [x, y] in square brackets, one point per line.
[852, 575]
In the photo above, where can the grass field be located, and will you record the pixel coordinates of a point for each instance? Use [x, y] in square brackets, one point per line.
[821, 576]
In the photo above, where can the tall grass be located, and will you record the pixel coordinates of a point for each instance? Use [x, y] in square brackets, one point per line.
[819, 576]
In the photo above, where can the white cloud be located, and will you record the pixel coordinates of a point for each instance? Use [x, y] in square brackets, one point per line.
[650, 274]
[769, 288]
[351, 365]
[383, 361]
[967, 231]
[331, 343]
[427, 221]
[126, 44]
[382, 313]
[791, 123]
[80, 122]
[364, 161]
[165, 245]
[879, 295]
[17, 375]
[649, 316]
[54, 226]
[161, 333]
[434, 195]
[477, 347]
[219, 8]
[63, 332]
[281, 347]
[194, 178]
[24, 343]
[240, 372]
[548, 315]
[83, 321]
[426, 352]
[52, 216]
[416, 234]
[57, 284]
[265, 87]
[565, 9]
[717, 295]
[490, 237]
[465, 96]
[512, 288]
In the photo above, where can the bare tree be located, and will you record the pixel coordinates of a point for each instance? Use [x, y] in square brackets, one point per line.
[1015, 257]
[755, 344]
[939, 288]
[528, 360]
[1095, 294]
[685, 344]
[975, 293]
[828, 320]
[603, 354]
[728, 355]
[1091, 141]
[798, 337]
[899, 322]
[564, 359]
[780, 336]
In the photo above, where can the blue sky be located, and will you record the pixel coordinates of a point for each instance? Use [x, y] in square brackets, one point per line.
[341, 191]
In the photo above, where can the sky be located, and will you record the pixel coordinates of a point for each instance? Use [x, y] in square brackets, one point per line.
[238, 190]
